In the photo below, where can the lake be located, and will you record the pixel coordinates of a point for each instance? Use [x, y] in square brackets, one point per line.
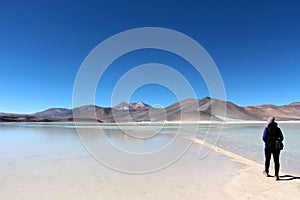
[53, 161]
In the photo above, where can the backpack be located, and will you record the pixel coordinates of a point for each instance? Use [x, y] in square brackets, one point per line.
[273, 138]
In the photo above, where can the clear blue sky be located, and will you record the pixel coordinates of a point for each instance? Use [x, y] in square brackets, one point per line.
[255, 44]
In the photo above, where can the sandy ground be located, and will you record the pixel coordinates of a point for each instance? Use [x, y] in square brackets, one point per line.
[250, 183]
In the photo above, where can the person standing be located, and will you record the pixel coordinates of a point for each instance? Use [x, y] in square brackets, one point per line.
[272, 134]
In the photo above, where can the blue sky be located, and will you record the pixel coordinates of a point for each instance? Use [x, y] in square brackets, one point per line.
[255, 44]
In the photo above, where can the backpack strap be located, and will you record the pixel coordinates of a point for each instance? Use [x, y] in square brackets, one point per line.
[273, 135]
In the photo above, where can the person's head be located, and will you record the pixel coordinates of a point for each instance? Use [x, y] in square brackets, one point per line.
[271, 120]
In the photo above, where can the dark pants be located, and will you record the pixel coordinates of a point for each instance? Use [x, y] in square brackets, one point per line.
[268, 154]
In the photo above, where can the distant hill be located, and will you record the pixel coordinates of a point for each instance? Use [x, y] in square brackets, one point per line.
[30, 118]
[187, 110]
[286, 112]
[55, 113]
[209, 109]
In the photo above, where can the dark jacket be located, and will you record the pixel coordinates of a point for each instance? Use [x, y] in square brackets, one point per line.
[272, 133]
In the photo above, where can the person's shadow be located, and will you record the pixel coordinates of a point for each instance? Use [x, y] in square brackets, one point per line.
[288, 178]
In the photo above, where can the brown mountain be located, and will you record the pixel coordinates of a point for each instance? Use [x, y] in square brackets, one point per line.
[186, 110]
[132, 106]
[209, 109]
[55, 113]
[286, 112]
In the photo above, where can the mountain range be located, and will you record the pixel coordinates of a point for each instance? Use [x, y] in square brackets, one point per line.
[206, 109]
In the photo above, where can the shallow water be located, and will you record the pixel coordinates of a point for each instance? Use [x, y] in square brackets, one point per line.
[49, 161]
[246, 140]
[49, 140]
